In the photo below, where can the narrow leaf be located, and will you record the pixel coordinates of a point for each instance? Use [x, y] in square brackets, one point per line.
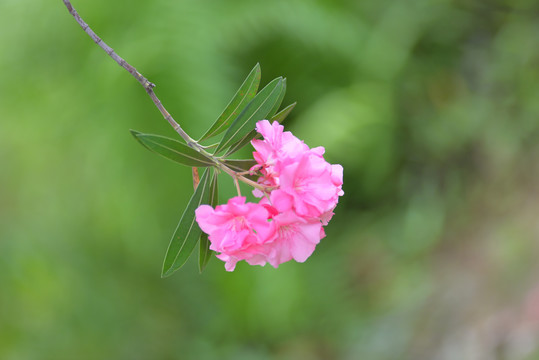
[172, 149]
[204, 249]
[279, 101]
[188, 232]
[240, 164]
[243, 96]
[279, 117]
[258, 109]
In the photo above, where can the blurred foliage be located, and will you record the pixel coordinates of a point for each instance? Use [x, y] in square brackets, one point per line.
[431, 107]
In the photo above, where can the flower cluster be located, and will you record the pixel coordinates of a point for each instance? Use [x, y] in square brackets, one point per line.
[302, 189]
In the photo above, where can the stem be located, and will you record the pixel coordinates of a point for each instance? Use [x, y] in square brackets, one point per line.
[235, 175]
[146, 84]
[237, 186]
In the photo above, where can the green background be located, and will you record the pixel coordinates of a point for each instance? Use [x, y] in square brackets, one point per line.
[432, 108]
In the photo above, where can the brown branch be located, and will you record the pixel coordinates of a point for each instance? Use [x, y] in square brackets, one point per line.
[148, 86]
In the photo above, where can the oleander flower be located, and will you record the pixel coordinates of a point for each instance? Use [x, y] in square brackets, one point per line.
[276, 150]
[295, 237]
[303, 190]
[310, 185]
[237, 230]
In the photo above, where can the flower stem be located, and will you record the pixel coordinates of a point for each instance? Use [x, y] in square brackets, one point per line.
[237, 186]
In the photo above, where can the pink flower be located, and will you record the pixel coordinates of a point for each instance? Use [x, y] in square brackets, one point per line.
[303, 191]
[295, 238]
[310, 185]
[305, 181]
[277, 149]
[236, 230]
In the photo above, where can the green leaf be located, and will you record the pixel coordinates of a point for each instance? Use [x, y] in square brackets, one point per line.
[279, 117]
[188, 232]
[279, 101]
[240, 164]
[172, 150]
[204, 249]
[243, 96]
[257, 110]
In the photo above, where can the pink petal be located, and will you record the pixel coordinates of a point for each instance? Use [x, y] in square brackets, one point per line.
[301, 250]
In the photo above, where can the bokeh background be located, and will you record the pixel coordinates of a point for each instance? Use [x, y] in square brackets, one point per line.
[432, 107]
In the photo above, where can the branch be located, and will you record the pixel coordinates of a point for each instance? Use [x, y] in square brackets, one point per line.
[148, 86]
